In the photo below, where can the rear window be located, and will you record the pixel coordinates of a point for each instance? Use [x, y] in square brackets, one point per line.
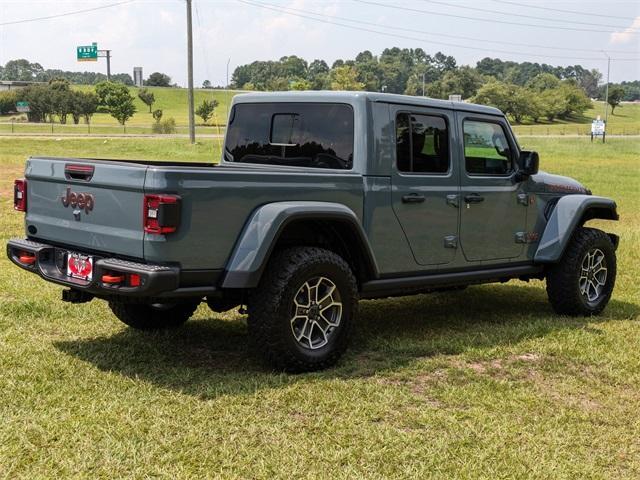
[318, 135]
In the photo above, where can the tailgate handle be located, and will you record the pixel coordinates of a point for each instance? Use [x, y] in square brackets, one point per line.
[78, 172]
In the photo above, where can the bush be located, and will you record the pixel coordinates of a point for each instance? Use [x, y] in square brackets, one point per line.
[166, 126]
[205, 109]
[117, 99]
[7, 102]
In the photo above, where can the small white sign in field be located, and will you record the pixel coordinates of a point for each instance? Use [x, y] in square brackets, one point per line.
[598, 129]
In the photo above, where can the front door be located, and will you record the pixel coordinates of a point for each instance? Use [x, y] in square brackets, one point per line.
[493, 206]
[425, 183]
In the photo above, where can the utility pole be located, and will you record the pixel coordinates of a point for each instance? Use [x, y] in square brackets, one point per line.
[227, 87]
[423, 84]
[606, 95]
[192, 128]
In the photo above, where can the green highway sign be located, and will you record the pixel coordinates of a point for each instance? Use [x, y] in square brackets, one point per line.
[23, 107]
[87, 53]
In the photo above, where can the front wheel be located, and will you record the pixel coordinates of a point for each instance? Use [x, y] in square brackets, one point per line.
[155, 316]
[582, 282]
[301, 313]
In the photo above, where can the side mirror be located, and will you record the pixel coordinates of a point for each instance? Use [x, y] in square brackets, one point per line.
[528, 163]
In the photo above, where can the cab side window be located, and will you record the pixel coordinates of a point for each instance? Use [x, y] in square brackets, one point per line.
[486, 149]
[422, 144]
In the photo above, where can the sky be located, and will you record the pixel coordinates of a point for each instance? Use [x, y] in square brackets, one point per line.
[152, 33]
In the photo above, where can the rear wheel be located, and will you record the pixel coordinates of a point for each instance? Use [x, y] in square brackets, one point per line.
[155, 316]
[301, 314]
[582, 282]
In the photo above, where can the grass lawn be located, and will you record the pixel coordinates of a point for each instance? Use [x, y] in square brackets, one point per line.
[172, 101]
[626, 121]
[483, 383]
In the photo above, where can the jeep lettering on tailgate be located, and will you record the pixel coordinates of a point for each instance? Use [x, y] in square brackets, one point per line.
[83, 201]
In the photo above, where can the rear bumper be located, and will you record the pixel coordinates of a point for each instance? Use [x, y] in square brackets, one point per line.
[49, 262]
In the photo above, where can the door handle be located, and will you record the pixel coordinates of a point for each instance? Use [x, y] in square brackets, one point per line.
[473, 198]
[413, 198]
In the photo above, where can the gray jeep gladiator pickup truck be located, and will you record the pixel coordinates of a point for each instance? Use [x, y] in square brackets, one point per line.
[319, 199]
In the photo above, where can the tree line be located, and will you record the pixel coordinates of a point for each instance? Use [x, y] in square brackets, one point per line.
[523, 90]
[57, 100]
[23, 70]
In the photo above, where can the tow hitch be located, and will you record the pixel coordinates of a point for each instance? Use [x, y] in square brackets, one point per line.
[72, 295]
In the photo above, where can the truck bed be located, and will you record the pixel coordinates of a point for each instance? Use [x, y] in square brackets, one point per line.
[215, 204]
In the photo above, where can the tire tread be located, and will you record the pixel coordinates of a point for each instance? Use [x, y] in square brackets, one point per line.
[561, 288]
[265, 306]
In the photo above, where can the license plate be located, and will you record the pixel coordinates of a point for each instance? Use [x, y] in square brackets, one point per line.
[79, 266]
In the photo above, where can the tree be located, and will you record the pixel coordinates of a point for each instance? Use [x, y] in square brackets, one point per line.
[205, 109]
[300, 84]
[575, 100]
[463, 81]
[61, 98]
[293, 67]
[122, 78]
[7, 102]
[494, 93]
[616, 94]
[157, 79]
[543, 81]
[318, 75]
[207, 84]
[345, 78]
[88, 103]
[147, 97]
[21, 70]
[117, 100]
[551, 103]
[157, 115]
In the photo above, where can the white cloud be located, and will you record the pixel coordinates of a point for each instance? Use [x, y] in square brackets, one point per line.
[627, 34]
[166, 17]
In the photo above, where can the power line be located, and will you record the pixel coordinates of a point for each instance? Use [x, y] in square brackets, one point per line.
[550, 9]
[493, 21]
[202, 44]
[307, 15]
[522, 15]
[437, 34]
[66, 14]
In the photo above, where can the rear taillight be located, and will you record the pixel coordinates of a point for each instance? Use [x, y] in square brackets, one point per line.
[20, 195]
[161, 213]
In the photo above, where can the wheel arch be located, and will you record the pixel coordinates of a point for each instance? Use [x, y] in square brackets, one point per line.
[571, 212]
[275, 225]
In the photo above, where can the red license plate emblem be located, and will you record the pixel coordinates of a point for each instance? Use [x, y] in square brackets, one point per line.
[79, 266]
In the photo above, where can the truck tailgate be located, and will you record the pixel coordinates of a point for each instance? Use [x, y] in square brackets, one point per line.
[94, 205]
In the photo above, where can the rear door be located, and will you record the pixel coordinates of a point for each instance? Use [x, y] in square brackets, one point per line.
[425, 183]
[494, 206]
[91, 206]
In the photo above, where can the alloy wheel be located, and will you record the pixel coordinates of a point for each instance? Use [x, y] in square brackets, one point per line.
[316, 312]
[593, 275]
